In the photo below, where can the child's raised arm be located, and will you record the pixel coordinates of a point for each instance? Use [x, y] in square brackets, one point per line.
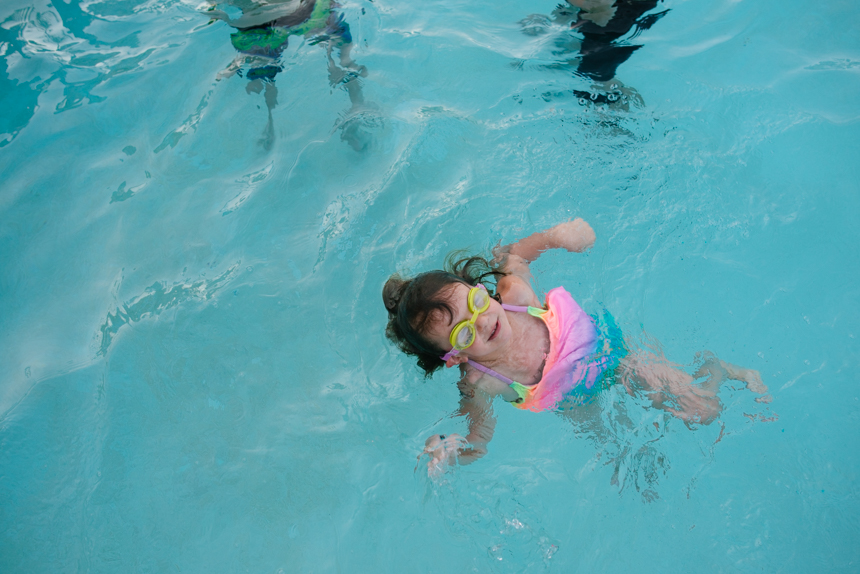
[576, 235]
[514, 259]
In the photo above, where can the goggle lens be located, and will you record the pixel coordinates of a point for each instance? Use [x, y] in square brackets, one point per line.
[464, 333]
[479, 299]
[465, 337]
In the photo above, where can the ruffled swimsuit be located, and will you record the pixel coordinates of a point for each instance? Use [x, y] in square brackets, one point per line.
[581, 358]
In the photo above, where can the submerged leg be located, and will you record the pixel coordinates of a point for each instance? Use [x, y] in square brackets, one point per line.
[267, 140]
[586, 419]
[346, 74]
[670, 388]
[628, 445]
[717, 371]
[270, 94]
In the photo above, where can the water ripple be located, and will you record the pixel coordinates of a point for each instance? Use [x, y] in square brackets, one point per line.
[55, 44]
[156, 299]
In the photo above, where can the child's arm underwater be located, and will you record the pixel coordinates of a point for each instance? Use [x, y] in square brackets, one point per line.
[477, 406]
[514, 259]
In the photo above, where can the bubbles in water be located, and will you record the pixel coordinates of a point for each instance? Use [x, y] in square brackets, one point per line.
[548, 548]
[494, 551]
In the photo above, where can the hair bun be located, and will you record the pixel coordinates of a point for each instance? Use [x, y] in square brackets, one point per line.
[392, 292]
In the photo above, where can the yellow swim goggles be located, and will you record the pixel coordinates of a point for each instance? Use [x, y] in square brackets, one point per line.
[464, 332]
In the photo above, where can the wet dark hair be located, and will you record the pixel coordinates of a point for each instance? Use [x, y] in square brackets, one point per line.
[413, 303]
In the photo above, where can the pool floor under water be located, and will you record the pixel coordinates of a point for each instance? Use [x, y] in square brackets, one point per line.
[194, 242]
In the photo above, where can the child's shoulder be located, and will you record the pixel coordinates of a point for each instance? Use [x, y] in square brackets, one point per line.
[514, 290]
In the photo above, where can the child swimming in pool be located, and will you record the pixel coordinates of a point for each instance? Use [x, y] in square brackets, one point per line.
[539, 357]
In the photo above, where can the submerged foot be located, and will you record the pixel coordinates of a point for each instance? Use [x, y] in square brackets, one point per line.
[360, 128]
[751, 377]
[715, 369]
[612, 94]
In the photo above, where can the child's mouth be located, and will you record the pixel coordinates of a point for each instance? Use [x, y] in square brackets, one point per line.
[495, 331]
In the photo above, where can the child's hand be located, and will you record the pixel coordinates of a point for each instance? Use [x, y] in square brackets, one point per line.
[443, 451]
[576, 235]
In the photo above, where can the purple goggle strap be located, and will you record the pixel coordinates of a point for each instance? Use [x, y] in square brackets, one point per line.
[491, 372]
[515, 308]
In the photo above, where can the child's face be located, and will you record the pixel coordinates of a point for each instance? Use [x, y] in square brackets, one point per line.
[493, 329]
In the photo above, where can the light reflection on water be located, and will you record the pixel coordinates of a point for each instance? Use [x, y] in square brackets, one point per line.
[195, 371]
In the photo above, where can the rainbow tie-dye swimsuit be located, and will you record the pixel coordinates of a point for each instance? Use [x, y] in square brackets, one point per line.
[581, 358]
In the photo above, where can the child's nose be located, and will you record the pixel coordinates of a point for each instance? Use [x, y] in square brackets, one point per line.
[486, 324]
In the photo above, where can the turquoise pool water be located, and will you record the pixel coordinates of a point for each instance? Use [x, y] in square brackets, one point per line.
[195, 377]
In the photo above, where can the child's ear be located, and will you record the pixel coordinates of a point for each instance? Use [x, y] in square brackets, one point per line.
[455, 360]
